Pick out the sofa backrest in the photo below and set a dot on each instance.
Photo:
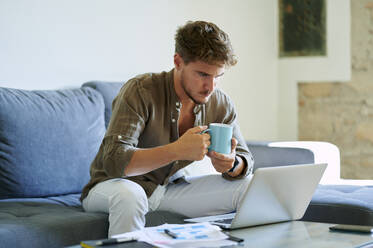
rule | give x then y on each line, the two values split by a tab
108	90
269	156
48	140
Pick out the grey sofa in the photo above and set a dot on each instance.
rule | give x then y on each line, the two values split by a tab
47	142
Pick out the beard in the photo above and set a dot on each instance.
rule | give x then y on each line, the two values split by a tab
187	92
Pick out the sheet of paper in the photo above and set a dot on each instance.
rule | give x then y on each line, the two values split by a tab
188	235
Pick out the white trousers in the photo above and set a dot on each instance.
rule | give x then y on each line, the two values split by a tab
126	202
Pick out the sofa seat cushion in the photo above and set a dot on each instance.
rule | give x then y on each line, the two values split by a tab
341	204
48	140
41	224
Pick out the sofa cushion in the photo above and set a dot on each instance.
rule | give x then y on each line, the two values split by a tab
109	91
40	224
48	140
341	204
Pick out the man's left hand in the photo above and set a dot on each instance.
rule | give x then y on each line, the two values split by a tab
224	162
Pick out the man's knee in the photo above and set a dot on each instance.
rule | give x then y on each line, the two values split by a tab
129	196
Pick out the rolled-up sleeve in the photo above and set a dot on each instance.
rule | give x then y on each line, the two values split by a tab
126	125
116	155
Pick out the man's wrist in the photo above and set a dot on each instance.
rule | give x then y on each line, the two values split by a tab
235	164
173	151
239	167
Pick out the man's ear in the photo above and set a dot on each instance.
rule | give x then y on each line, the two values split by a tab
178	61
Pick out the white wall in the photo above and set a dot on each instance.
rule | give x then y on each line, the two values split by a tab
49	44
336	66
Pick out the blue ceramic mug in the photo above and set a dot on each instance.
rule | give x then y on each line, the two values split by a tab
220	137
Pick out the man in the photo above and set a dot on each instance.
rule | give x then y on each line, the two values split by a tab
155	131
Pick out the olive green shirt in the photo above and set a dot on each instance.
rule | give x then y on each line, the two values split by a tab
145	114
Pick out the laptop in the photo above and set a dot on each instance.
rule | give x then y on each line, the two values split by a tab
275	194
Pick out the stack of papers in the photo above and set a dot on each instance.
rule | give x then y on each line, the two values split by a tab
183	236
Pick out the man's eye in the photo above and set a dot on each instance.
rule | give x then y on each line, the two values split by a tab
203	74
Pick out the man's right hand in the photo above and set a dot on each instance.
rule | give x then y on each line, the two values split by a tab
192	145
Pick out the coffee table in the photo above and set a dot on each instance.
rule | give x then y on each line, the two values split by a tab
299	234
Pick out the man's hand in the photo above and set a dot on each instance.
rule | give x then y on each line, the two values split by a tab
224	162
192	145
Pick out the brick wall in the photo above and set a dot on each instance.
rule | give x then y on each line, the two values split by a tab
342	112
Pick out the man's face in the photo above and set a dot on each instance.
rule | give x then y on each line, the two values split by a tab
198	80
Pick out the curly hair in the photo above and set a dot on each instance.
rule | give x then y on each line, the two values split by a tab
204	41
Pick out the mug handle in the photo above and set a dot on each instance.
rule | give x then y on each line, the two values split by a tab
205	131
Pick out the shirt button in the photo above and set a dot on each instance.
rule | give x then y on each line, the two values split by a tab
196	109
173	120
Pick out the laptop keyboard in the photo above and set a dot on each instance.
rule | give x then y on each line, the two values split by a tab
224	221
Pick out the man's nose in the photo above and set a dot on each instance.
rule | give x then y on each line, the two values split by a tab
210	84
